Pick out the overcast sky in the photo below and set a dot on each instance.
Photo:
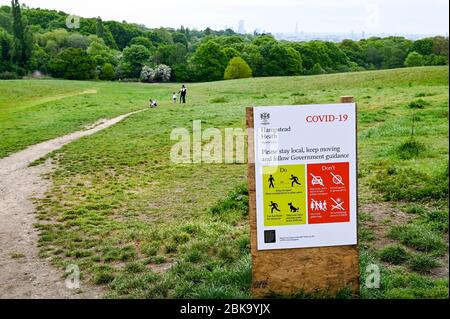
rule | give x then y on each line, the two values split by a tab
371	16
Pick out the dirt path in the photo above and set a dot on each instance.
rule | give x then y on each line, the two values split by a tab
22	273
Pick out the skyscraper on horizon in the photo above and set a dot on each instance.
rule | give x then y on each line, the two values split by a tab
241	27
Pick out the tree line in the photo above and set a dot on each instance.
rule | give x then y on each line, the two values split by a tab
39	40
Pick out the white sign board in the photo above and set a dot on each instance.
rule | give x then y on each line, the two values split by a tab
306	182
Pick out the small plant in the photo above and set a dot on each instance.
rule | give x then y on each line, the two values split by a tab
394	254
420	237
410	149
423	263
415	209
418	104
221	99
366	234
437	221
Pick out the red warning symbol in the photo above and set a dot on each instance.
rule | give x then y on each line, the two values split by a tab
328	193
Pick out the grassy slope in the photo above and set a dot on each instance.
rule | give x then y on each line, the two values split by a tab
123	211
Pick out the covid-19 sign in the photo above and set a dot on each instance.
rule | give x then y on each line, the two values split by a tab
306	176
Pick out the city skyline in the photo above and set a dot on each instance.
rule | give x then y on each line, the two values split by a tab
418	17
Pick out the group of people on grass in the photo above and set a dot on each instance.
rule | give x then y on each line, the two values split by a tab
182	93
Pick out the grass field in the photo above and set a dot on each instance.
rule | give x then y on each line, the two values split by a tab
147	228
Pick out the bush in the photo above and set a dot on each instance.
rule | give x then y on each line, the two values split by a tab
107	72
162	73
394	254
8	76
73	64
147	74
237	69
414	59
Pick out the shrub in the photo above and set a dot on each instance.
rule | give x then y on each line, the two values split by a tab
162	73
8	76
147	74
414	59
107	72
237	69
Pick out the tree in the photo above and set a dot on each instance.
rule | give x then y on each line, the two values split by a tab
208	62
39	60
100	28
76	40
414	59
5	46
231	53
107	72
237	69
102	54
423	46
147	74
134	58
280	60
179	37
22	46
171	54
141	40
317	69
440	46
162	73
73	64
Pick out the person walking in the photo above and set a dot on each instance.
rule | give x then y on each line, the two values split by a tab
183	93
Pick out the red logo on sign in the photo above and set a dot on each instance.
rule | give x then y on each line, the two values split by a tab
328	193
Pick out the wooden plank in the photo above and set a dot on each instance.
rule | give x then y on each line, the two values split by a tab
289	271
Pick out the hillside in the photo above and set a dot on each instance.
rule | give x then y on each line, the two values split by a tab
148	228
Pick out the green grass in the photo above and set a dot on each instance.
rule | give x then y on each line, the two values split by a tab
122	211
394	254
420	237
423	263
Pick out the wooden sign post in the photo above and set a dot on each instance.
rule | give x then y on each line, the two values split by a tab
323	269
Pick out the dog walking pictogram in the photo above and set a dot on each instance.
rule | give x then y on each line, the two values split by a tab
271	182
294	180
274	206
293	208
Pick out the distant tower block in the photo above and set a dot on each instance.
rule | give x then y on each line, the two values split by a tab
241	28
296	29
